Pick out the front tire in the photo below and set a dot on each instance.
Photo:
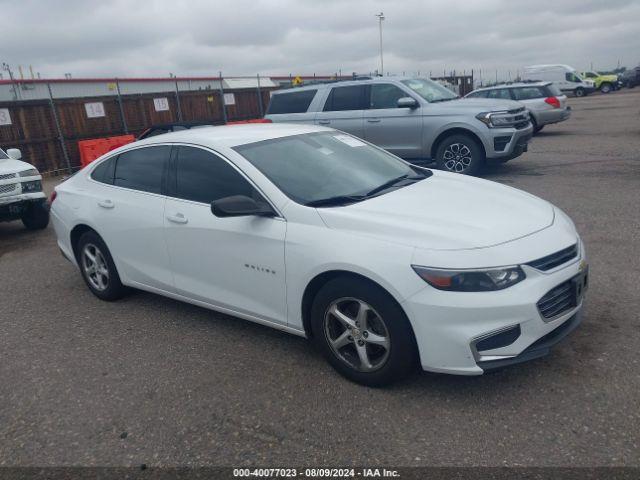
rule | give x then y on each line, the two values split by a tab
98	269
36	217
362	332
460	153
579	92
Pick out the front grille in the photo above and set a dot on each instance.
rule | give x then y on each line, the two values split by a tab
517	110
8	188
6	176
555	259
558	300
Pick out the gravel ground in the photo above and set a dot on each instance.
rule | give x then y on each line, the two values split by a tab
148	380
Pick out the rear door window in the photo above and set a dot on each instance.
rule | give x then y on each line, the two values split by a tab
291	102
501	93
142	169
528	93
103	173
386	95
353	97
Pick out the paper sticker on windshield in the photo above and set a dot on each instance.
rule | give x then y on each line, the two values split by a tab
352	142
325	151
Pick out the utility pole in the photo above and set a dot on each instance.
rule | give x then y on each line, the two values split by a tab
380	19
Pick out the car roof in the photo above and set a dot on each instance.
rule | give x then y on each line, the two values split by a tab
344	83
233	135
514	85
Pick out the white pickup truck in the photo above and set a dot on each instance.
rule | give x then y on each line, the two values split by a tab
21	195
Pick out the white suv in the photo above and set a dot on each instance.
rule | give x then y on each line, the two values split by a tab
21	195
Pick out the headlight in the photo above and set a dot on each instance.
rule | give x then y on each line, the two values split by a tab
32	172
495	119
471	280
34	186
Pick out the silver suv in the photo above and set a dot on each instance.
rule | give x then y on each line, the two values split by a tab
414	118
544	100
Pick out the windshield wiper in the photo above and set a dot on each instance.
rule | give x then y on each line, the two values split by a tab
443	99
393	182
336	201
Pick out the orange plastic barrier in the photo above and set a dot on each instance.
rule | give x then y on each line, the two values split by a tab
92	149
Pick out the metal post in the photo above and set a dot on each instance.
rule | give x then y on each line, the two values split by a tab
60	136
224	107
380	19
260	106
124	120
178	102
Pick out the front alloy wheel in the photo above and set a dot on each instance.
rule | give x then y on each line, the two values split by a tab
457	157
357	334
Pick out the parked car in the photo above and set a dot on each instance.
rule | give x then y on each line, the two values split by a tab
21	195
171	127
414	118
604	83
545	102
630	78
384	265
563	76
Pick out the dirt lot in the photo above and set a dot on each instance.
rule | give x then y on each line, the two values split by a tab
150	380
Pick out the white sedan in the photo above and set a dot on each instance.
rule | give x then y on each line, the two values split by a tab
385	266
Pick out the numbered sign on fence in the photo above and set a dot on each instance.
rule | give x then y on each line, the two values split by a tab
95	109
161	104
5	118
229	99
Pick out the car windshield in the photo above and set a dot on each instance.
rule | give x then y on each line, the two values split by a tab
429	90
329	168
3	155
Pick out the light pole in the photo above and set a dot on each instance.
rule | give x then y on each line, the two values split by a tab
380	19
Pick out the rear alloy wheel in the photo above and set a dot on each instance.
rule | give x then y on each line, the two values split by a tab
97	268
579	92
362	332
460	154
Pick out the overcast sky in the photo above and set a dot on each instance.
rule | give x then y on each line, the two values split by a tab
91	38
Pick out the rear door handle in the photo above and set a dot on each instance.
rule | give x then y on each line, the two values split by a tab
106	203
373	120
177	218
324	122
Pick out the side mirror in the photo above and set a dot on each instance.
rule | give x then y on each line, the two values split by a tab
240	206
407	102
14	153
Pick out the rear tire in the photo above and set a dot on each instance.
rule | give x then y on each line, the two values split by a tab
579	92
606	88
362	332
36	217
460	153
535	126
98	269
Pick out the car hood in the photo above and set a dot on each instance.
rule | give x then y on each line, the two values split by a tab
481	104
8	165
608	78
445	212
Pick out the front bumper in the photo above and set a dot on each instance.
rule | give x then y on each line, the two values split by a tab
15	209
507	143
448	325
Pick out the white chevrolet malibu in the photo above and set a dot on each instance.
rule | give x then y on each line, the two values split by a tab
312	231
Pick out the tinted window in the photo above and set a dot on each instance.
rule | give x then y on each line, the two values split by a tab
104	172
291	102
502	93
553	90
528	93
346	98
142	169
204	177
572	77
385	95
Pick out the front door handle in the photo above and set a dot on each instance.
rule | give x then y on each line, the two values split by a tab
324	122
373	120
177	218
106	203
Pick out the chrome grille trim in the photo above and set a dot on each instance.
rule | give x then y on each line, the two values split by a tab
555	259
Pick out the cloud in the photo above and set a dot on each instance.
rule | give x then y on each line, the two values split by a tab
201	37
